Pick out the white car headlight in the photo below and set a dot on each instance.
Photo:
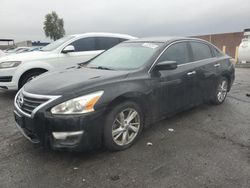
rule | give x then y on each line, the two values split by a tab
79	105
9	64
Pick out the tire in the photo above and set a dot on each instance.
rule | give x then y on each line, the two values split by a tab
129	130
28	77
221	90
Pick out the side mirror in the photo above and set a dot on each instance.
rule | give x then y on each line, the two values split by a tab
166	65
68	49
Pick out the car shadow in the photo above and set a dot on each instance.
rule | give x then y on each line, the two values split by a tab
6	94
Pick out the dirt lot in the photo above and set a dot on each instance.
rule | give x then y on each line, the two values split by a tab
209	147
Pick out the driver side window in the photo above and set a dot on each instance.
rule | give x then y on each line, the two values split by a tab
177	52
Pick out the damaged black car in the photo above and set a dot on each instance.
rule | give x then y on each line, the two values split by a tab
110	99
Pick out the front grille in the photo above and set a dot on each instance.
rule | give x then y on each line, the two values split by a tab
29	104
5	78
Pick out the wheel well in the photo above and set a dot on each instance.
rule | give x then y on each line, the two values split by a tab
229	80
29	71
137	100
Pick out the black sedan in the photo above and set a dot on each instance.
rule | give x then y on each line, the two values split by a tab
110	99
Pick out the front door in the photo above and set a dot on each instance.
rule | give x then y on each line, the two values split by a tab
176	87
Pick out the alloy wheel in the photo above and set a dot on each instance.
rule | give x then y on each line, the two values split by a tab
222	90
126	126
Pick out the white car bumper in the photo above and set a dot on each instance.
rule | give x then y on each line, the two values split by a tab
8	85
7	79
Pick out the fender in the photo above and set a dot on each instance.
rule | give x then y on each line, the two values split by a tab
30	65
142	100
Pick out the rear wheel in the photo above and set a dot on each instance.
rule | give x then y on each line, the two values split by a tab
123	126
221	91
27	77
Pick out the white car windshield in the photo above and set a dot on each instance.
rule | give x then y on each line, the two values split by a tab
56	44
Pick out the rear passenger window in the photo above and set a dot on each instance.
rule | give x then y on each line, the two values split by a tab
122	39
217	53
177	52
104	43
200	51
84	44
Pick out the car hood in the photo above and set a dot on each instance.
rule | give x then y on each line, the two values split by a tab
26	56
72	80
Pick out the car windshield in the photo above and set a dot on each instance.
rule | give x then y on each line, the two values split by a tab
56	44
125	56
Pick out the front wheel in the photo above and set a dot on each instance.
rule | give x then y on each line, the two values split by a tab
123	126
221	91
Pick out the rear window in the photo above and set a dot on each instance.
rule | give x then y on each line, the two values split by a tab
84	44
200	51
104	43
217	53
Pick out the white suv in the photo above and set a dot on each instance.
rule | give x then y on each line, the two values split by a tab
18	69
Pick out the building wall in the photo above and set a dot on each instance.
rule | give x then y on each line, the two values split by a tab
230	40
26	43
4	47
6	44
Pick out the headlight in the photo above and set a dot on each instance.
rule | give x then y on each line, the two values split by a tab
9	64
79	105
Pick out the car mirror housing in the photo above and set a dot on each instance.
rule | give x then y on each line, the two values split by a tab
68	49
166	65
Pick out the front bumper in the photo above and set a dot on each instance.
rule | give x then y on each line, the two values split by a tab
10	84
71	132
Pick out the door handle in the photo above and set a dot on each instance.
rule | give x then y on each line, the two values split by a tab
217	65
191	73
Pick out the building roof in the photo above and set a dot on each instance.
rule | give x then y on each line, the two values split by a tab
6	40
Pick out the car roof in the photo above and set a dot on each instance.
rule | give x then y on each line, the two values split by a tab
105	34
164	39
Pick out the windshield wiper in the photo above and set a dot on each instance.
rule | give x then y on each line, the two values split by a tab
101	67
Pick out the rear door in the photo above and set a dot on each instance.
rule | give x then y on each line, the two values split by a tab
176	87
206	68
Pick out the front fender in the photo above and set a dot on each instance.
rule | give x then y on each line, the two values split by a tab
26	66
136	90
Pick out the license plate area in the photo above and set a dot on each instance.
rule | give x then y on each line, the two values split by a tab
19	119
20	124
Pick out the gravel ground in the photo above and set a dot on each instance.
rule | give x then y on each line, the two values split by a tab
209	147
